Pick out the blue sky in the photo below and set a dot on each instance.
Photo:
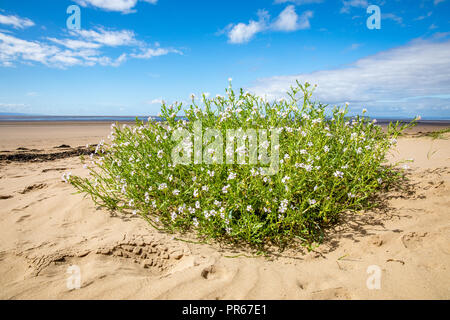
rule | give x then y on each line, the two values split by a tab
130	54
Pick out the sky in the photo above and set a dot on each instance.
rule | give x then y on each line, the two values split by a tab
128	55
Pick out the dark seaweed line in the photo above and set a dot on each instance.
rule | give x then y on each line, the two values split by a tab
40	157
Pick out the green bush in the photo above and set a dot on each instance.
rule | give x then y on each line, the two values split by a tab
327	165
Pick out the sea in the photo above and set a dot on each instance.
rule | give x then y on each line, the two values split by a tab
127	119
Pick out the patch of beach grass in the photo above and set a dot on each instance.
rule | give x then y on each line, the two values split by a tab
439	134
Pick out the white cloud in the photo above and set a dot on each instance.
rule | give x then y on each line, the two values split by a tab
288	20
353	3
75	44
83	50
242	33
154	101
424	17
12	105
124	6
299	2
12	48
108	38
410	78
16	22
355	46
147	53
391	16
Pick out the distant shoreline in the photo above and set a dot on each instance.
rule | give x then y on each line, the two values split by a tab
131	119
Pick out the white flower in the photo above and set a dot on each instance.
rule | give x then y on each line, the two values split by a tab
231	176
312	202
66	177
162	186
160	154
195	193
195	222
225	189
134	212
181	208
230	79
285	179
351	195
176	192
338	174
205	188
380	181
283	206
249	208
326	149
197	204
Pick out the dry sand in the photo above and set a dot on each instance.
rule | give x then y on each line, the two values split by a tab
44	229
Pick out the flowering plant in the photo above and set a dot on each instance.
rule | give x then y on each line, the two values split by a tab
323	167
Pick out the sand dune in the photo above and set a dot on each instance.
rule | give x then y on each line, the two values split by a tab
45	228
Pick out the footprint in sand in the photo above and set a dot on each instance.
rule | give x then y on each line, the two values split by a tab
33	187
376	241
413	240
150	254
214	272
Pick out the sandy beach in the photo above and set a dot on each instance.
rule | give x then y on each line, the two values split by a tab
45	228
